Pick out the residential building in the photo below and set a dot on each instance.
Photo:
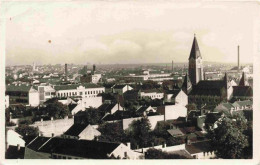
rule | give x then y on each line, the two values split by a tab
171	112
63	148
120	89
151	93
177	96
78	90
82	131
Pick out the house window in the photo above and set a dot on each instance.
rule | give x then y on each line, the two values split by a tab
125	153
80	93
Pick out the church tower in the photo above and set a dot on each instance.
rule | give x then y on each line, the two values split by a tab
195	63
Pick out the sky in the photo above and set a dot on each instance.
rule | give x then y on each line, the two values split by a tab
126	32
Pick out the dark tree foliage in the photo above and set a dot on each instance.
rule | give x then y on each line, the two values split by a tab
139	132
150	85
26	130
191	107
159	154
112	132
93	116
57	110
228	139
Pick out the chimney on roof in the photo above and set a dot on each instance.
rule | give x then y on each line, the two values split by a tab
128	145
238	58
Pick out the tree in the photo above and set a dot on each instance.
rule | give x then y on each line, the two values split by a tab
191	107
57	110
159	154
139	132
26	130
228	139
93	116
112	132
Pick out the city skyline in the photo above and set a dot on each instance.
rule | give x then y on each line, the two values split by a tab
144	32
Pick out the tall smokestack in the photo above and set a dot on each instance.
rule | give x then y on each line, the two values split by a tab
66	72
94	68
238	58
172	66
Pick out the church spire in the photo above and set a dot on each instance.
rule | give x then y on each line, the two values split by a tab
186	85
195	51
243	80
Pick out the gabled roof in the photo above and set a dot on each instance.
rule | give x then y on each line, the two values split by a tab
86	148
74	147
208	87
118	115
195	51
18	88
175	132
119	86
244	103
186	86
246	91
75	129
106	108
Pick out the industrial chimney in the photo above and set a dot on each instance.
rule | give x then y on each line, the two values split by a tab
172	66
66	72
94	68
238	58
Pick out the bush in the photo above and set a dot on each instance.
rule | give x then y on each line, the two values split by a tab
10	124
26	130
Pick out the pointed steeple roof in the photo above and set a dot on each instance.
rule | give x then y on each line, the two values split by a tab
186	86
195	51
243	80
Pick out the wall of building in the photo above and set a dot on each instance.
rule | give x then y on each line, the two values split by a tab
34	99
58	127
181	98
123	150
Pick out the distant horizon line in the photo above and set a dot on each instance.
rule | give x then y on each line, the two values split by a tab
232	63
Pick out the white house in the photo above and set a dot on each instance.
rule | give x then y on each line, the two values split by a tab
177	97
45	93
121	88
144	110
14	139
151	93
87	102
34	97
171	112
6	101
76	90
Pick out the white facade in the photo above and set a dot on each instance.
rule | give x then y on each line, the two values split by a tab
151	95
181	98
122	90
87	102
95	78
172	111
34	97
89	133
124	152
7	101
80	91
14	139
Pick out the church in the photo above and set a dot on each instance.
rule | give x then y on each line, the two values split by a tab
202	92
